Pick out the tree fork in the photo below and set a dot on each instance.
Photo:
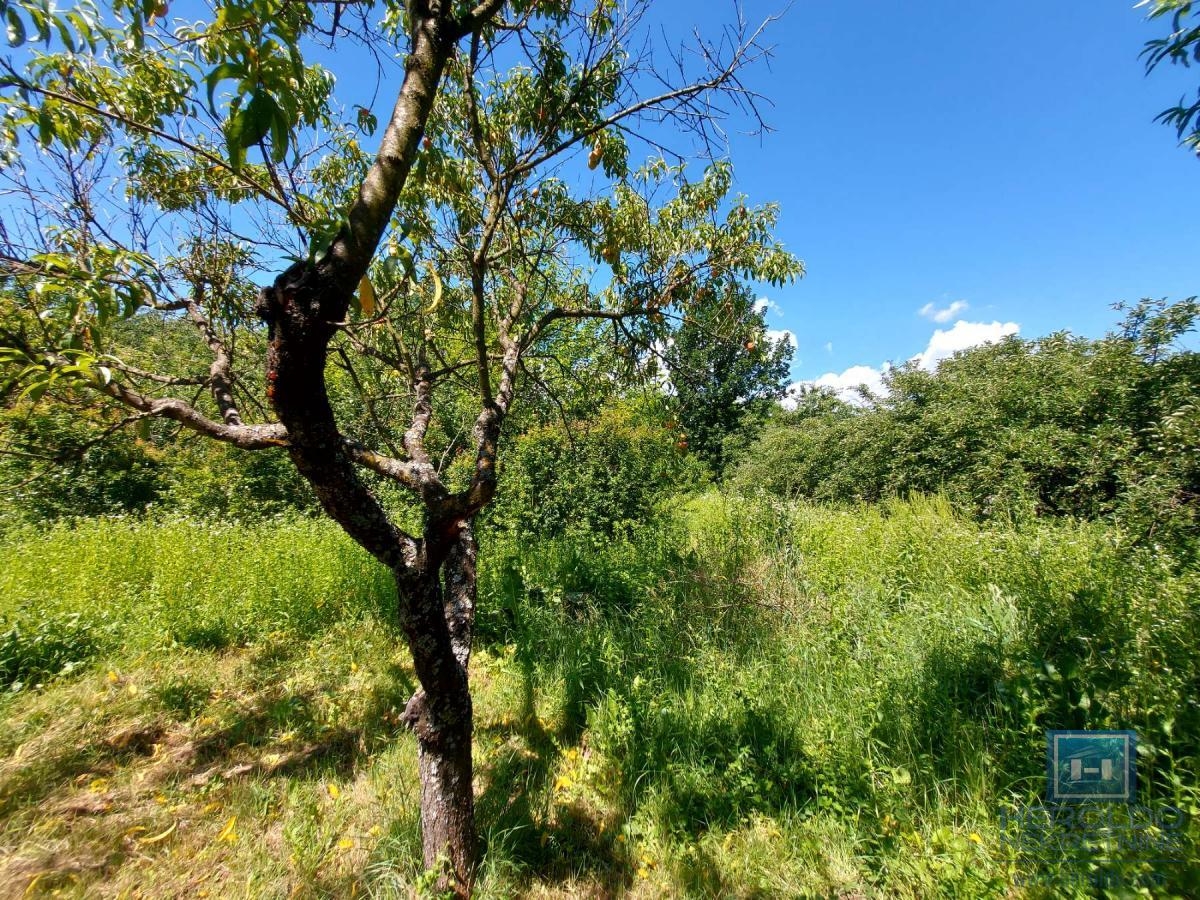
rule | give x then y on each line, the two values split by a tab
302	310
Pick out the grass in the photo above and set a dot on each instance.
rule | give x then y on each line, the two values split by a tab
759	700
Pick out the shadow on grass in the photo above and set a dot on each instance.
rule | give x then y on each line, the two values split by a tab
169	752
701	766
544	846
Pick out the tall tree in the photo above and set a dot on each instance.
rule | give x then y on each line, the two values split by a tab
450	262
726	371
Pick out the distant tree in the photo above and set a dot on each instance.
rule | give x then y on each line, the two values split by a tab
726	373
168	166
1180	47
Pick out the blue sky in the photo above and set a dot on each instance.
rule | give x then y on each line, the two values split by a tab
998	155
995	164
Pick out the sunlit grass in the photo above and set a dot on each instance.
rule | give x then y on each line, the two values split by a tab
758	701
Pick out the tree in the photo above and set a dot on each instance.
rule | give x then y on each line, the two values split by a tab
433	280
726	373
1180	47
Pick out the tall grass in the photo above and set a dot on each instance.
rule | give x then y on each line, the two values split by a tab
74	590
805	699
757	699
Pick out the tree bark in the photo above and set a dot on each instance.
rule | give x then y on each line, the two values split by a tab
438	616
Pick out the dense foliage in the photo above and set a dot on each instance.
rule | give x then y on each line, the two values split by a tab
603	477
1058	426
725	373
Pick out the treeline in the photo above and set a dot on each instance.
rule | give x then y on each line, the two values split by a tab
1054	426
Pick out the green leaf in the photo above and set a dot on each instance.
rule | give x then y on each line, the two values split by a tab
45	127
249	126
16	29
219	74
64	33
279	136
233	143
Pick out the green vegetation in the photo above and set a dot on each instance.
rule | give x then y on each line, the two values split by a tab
1057	426
719	649
1179	47
745	699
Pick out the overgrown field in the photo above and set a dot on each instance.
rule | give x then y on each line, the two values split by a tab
749	701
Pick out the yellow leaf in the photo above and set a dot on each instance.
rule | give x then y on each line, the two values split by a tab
157	838
228	833
437	287
366	297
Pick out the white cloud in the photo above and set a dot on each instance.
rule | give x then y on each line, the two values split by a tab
762	304
941	316
962	336
942	345
845	384
783	335
829	346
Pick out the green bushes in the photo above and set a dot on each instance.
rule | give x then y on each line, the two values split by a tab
41	648
1059	426
604	477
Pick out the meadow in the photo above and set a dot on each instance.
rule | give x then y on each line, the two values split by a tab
743	698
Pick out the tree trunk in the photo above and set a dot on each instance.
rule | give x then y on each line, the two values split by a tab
438	615
448	806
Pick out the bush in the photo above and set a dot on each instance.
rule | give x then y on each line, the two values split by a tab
1059	426
605	477
35	649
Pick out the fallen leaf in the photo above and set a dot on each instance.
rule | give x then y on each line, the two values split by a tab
161	836
228	833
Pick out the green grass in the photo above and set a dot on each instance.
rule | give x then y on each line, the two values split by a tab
756	701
